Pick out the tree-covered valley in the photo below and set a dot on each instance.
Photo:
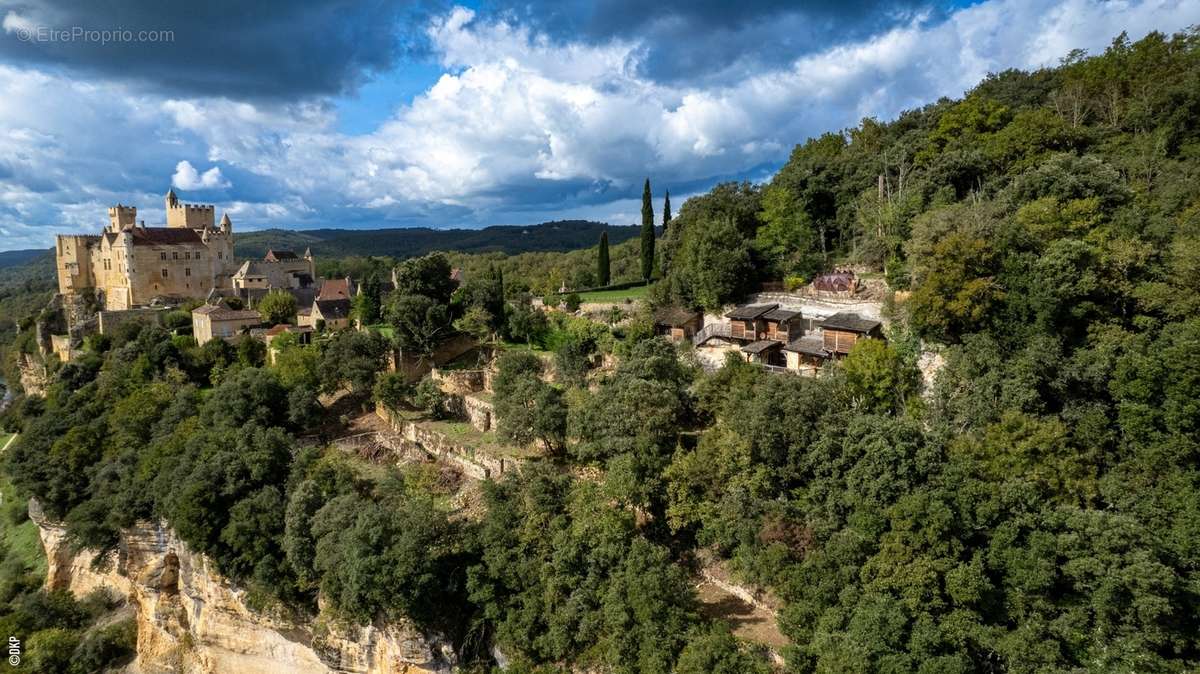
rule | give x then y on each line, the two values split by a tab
1033	505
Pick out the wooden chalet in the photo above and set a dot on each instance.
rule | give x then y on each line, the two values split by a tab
806	354
765	351
746	323
783	325
677	324
842	330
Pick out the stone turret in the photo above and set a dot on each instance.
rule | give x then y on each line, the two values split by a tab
226	225
191	216
121	217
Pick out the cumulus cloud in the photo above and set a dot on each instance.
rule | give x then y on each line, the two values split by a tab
522	125
188	178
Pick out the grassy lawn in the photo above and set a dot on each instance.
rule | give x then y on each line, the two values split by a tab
21	539
633	294
465	434
383	329
522	346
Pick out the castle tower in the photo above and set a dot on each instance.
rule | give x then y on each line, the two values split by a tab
191	216
121	217
226	225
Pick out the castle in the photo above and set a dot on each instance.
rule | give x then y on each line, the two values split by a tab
130	265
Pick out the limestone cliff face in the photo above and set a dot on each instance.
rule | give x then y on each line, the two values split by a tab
190	620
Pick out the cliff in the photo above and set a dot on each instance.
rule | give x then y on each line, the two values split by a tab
190	620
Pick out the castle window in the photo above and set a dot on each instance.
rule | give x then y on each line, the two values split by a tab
187	271
220	255
162	256
197	255
175	255
164	272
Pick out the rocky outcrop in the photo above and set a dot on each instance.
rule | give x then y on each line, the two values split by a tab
34	377
191	620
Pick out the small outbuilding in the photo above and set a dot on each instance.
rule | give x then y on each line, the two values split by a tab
214	321
747	323
842	330
677	324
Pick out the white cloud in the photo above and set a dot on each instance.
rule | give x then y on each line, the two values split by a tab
188	178
518	128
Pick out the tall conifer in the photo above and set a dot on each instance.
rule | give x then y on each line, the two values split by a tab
647	233
602	266
666	212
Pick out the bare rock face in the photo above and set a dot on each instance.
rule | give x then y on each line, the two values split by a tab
191	620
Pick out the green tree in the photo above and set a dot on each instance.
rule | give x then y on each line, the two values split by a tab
716	651
526	323
428	276
878	375
429	396
393	390
603	271
647	233
420	322
278	306
477	322
352	360
50	651
712	265
527	408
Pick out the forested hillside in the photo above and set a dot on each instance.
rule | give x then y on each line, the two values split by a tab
416	241
1035	506
1039	508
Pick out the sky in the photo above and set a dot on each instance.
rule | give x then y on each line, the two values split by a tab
371	113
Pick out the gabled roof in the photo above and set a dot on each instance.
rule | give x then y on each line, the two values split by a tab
335	288
750	312
286	327
170	236
217	312
849	322
812	346
762	345
333	309
781	315
279	255
675	316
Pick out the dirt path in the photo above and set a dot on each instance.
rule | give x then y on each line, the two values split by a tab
754	624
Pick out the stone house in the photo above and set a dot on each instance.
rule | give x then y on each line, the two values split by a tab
213	321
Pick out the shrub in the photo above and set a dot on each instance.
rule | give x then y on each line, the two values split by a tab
430	397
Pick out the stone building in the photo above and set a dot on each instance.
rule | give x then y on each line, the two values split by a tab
214	321
278	270
129	265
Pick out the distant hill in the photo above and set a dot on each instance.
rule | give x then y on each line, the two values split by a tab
13	258
561	235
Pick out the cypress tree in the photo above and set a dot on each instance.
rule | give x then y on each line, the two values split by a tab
647	233
666	212
602	267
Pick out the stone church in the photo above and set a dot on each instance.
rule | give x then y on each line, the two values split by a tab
130	265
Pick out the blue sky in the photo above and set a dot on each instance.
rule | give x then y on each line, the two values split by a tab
340	113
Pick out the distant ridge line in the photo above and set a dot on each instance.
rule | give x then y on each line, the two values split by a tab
556	236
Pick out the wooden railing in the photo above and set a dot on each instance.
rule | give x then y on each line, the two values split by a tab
711	330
